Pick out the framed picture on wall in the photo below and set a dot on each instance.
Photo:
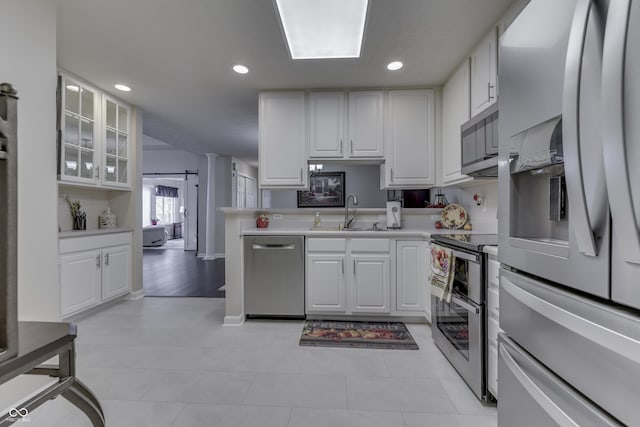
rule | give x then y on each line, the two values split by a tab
326	190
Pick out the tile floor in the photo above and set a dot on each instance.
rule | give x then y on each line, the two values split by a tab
170	362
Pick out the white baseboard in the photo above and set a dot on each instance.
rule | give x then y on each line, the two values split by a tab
200	255
211	258
219	255
135	295
233	320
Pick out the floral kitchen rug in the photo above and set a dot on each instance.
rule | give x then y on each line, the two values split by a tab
330	333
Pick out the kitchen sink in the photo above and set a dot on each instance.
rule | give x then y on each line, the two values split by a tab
346	229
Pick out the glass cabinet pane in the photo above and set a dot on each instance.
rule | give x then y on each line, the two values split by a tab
123	122
122	145
111	143
111	114
122	171
71	129
86	164
110	172
72	97
87	103
70	165
86	134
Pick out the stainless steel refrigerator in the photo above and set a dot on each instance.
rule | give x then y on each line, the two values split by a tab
569	216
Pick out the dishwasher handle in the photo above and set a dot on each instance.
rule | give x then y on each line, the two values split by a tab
270	246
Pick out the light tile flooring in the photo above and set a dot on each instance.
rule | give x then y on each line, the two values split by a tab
170	362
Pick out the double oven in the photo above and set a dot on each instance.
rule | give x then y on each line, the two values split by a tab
459	326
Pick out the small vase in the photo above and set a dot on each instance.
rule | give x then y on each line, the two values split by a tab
80	221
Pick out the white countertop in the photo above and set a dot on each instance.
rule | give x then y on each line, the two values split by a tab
92	232
403	232
491	250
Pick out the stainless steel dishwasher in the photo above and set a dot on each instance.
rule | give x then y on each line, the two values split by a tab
274	276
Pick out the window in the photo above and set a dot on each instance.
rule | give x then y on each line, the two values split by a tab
165	209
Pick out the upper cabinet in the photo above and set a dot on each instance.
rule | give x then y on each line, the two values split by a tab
335	135
410	139
116	148
455	111
366	116
283	140
326	124
93	136
484	71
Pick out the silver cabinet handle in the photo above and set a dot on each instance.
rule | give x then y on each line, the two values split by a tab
391	174
272	246
616	165
341	148
489	87
351	152
97	169
465	305
301	174
581	222
342	262
534	391
354	267
98	261
106	259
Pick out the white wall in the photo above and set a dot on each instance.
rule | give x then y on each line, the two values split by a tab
169	161
362	180
29	51
203	175
223	198
486	213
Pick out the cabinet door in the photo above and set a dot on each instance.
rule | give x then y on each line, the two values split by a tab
116	273
326	124
366	117
283	140
79	281
484	66
370	284
325	282
78	142
115	149
455	111
410	136
411	275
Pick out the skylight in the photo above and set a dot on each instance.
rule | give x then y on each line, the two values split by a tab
317	29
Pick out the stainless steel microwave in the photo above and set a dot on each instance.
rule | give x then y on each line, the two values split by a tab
479	138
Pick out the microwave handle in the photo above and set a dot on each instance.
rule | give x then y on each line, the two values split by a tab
616	165
581	223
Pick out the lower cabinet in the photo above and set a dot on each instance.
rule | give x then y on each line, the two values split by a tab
412	276
370	284
326	288
93	269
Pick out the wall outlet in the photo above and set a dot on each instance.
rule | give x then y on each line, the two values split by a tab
277	217
382	218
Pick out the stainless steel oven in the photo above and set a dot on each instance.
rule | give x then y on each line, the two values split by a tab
458	327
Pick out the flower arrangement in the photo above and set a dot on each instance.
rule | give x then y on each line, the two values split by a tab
78	216
154	221
74	206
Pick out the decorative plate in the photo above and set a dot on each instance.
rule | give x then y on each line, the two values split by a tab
454	216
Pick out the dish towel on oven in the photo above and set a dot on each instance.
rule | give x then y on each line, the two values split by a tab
442	262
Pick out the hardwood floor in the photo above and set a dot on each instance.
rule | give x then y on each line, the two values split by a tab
178	273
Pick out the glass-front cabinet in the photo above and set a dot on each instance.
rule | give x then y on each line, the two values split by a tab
94	140
78	132
116	143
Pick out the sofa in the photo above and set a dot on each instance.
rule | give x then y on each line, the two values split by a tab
154	235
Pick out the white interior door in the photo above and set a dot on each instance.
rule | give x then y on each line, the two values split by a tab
189	233
251	193
240	191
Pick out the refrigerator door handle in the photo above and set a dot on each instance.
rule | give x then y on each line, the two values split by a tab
581	223
534	391
615	162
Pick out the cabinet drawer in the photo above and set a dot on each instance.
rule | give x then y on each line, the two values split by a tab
493	268
326	245
493	303
85	243
369	245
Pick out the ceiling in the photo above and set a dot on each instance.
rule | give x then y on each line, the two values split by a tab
177	57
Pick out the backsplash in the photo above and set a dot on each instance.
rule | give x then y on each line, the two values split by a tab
487	212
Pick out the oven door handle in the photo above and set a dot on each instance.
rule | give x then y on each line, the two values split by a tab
470	308
465	256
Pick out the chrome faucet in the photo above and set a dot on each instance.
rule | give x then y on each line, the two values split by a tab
347	220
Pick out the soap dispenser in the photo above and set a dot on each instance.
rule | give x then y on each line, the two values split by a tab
317	220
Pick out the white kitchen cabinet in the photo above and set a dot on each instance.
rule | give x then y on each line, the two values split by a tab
345	276
412	276
410	139
94	137
366	125
80	277
493	328
326	124
93	269
326	283
484	72
370	284
115	172
116	274
455	111
283	140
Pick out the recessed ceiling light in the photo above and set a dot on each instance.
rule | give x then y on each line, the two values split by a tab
395	65
73	88
122	87
240	69
317	29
